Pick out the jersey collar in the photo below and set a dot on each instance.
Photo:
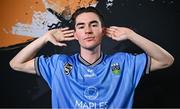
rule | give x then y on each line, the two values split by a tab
89	64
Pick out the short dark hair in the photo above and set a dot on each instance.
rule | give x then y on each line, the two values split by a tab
86	10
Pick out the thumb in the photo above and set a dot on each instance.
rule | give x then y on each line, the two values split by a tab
61	44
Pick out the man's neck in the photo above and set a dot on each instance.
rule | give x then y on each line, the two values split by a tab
91	56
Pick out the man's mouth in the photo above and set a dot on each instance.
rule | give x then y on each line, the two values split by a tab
89	38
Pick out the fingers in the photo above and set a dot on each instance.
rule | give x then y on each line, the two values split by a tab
61	44
118	33
114	27
110	32
69	35
69	39
68	31
63	34
63	29
115	33
58	36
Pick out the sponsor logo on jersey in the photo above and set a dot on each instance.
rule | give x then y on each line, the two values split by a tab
116	68
91	93
67	68
91	105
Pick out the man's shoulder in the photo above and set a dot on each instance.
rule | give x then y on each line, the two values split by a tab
64	56
118	54
56	57
125	54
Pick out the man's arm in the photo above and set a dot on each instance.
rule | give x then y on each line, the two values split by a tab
24	60
160	58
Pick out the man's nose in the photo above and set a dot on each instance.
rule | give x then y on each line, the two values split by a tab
88	30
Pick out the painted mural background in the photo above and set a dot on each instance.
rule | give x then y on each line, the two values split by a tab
22	21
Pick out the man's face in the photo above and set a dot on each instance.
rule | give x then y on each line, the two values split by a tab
88	30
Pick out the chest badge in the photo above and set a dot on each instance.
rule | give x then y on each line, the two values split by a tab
115	68
67	68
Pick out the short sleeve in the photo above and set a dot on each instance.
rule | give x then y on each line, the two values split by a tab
46	66
141	66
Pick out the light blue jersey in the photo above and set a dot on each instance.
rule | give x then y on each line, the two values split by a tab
110	82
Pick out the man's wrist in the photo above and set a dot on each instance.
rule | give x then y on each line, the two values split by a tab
131	34
43	39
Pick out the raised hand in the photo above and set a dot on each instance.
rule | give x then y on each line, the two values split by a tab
118	33
57	36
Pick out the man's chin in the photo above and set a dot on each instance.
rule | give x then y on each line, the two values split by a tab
91	47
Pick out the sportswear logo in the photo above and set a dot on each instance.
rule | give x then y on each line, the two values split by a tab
67	68
90	73
116	68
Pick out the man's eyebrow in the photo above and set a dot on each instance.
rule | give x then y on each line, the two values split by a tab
94	21
80	24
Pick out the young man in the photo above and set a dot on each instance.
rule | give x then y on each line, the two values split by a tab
91	79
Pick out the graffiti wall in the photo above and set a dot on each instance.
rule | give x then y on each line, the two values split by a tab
22	20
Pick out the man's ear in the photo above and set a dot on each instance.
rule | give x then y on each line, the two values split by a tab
103	31
75	35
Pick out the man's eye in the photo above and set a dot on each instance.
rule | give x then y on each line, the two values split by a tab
94	25
81	27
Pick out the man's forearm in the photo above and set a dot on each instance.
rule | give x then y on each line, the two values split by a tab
153	50
24	60
27	53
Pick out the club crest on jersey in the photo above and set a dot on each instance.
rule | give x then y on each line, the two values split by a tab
91	93
115	68
67	68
